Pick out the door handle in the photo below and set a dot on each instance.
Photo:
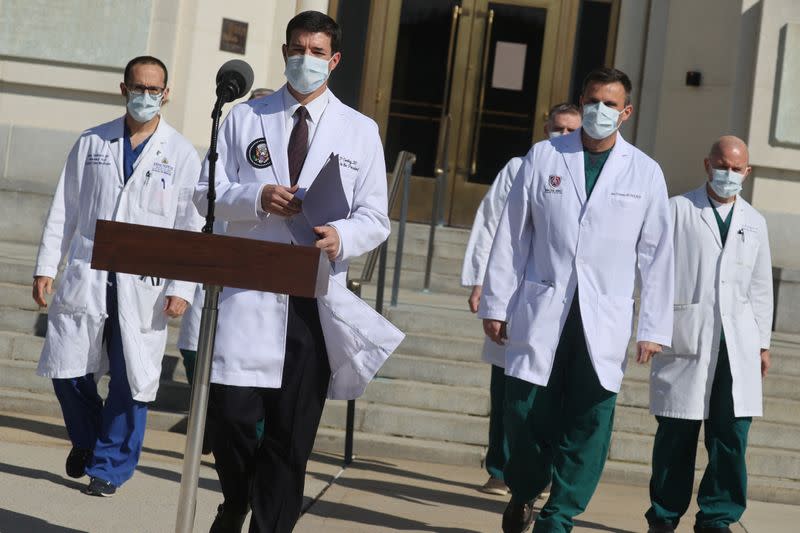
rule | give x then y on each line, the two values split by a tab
444	119
481	93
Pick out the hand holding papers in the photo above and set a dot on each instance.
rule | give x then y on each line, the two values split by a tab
323	202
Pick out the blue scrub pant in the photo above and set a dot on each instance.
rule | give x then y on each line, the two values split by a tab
114	429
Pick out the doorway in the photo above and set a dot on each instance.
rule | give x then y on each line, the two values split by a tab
466	84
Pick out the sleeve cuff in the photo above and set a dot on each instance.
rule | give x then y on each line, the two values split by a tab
663	340
50	272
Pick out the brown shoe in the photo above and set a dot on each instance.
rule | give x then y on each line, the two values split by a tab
495	486
518	516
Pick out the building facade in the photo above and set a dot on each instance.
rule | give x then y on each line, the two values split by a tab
464	84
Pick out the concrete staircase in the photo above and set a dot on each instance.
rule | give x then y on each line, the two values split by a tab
430	401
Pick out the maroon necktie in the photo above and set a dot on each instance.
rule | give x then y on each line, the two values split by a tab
298	145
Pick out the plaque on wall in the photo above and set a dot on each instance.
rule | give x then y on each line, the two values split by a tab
234	36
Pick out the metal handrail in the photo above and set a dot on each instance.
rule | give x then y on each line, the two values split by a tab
394	190
401	175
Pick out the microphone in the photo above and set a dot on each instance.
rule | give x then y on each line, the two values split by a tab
234	80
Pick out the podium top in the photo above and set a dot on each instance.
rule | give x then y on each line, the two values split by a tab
210	259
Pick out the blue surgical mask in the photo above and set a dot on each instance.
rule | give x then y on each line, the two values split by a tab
143	107
599	120
306	73
726	182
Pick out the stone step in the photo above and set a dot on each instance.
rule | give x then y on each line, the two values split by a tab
45	404
24	214
766	489
763	433
437	371
436	321
442	347
331	440
775	385
776	410
766	462
428	396
16	262
444	234
381	419
411	263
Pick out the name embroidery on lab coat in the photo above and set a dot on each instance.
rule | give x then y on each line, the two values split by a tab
258	153
98	159
163	167
348	163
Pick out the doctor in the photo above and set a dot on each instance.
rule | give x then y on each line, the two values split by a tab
587	213
276	357
133	169
562	119
720	352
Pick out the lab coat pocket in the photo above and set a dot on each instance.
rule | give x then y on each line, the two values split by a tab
149	300
73	290
535	304
687	324
157	196
614	324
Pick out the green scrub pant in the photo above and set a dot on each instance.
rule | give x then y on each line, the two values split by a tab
722	495
560	433
497	454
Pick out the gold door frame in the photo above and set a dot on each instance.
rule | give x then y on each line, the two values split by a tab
554	83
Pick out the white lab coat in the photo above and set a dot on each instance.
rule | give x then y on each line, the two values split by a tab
715	287
480	244
159	193
189	334
550	241
251	333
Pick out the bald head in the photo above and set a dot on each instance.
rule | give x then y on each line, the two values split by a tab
727	153
729	146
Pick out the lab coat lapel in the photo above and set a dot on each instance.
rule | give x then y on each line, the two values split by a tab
116	146
331	122
618	159
707	213
145	161
273	126
573	158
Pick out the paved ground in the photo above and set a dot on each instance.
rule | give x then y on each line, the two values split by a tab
373	495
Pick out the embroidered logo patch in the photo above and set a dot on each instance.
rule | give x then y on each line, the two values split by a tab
555	181
258	153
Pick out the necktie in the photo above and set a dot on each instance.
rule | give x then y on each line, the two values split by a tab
298	144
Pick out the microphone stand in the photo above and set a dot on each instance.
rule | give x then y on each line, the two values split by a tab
187	499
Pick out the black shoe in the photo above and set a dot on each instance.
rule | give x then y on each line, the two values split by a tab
660	528
77	460
227	522
518	516
701	529
100	487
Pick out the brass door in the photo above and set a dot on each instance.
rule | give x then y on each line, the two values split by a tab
465	85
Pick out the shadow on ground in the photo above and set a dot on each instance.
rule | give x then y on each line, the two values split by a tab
32	473
11	522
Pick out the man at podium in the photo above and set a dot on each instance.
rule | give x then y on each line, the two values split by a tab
133	169
277	357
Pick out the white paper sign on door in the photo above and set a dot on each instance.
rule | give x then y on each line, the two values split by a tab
509	65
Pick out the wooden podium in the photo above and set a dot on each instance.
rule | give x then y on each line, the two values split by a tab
215	261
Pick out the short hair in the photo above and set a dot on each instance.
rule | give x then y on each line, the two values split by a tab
316	22
144	60
261	91
562	108
606	75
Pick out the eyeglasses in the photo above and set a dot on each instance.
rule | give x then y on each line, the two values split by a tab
141	89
